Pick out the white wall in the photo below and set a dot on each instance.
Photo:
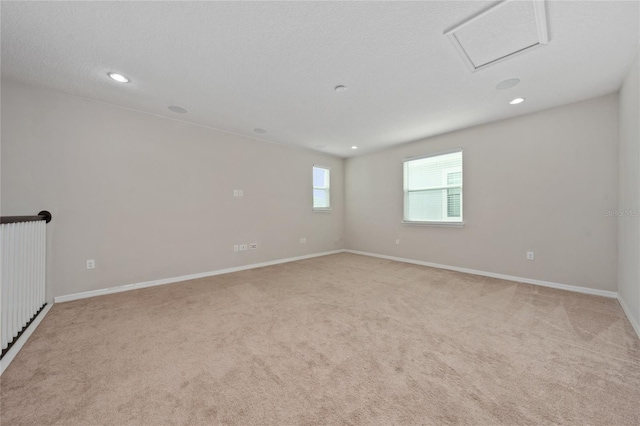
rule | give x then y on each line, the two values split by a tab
629	196
541	182
149	197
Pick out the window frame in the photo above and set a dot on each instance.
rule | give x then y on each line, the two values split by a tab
327	188
444	223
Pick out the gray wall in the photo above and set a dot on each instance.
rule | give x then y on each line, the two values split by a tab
151	198
629	194
541	182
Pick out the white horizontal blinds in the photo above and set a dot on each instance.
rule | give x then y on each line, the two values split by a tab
454	195
321	187
433	188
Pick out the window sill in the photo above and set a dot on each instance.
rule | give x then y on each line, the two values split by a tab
321	210
439	224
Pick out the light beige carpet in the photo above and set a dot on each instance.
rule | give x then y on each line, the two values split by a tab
341	339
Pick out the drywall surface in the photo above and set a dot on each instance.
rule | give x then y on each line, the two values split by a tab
542	182
151	198
629	194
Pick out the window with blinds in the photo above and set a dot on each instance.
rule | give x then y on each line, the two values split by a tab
433	188
321	188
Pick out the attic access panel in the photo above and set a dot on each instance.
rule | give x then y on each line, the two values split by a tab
504	30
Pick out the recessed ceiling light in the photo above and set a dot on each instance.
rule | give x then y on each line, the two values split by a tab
118	77
177	109
507	84
354	147
516	101
340	88
258	130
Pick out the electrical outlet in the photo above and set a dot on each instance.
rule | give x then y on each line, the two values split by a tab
240	193
243	247
91	264
530	255
397	241
235	248
253	246
235	192
303	240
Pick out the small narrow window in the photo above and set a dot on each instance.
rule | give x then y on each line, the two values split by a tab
433	189
321	188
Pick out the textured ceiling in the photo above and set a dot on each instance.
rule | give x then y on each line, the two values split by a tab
238	66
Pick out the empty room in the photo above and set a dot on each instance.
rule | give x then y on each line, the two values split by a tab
320	213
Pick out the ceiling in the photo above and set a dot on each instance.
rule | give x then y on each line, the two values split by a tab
238	66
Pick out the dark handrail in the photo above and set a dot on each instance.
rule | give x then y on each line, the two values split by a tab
43	215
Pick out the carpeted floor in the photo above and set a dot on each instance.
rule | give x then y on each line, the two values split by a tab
341	339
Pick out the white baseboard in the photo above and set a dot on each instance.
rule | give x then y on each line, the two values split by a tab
6	360
128	287
567	287
11	353
632	320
